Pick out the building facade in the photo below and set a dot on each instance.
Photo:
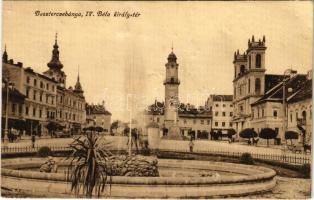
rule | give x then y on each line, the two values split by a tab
221	107
46	97
299	111
97	115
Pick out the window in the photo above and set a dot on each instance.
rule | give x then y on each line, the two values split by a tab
40	113
216	124
184	121
277	130
20	109
60	114
258	61
41	84
41	97
48	114
53	88
47	86
26	110
249	61
27	92
194	121
34	112
217	105
216	113
249	85
290	117
223	124
208	122
34	95
47	98
230	124
27	79
157	119
231	114
223	114
13	107
257	85
35	82
257	112
231	105
262	112
242	69
241	108
202	121
223	105
296	116
52	100
275	113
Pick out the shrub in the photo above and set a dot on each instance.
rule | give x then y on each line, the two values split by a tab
44	152
305	170
231	132
247	159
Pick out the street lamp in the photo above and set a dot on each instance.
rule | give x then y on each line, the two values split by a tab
284	81
8	85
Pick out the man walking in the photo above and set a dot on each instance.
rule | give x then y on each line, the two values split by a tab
33	141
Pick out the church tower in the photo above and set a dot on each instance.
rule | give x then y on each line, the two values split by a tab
55	66
249	81
78	87
171	91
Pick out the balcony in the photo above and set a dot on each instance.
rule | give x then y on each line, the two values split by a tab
172	81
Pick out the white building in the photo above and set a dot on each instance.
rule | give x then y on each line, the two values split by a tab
221	107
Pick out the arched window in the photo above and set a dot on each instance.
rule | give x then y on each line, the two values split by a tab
249	61
258	61
242	69
257	86
304	115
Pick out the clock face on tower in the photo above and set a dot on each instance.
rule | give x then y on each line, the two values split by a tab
174	101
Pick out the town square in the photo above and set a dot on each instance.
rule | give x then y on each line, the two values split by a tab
183	100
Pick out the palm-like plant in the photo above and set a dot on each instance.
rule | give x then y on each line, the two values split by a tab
88	170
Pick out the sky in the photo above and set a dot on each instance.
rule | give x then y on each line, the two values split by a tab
123	60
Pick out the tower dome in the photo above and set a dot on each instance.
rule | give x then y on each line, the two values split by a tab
172	57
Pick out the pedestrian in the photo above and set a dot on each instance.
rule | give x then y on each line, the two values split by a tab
33	141
191	145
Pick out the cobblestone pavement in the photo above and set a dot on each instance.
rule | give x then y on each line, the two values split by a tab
287	188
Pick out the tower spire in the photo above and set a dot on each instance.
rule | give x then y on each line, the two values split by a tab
78	86
172	47
55	62
5	55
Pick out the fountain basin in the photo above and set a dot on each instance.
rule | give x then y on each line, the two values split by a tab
233	180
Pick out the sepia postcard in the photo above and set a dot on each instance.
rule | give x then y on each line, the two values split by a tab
156	99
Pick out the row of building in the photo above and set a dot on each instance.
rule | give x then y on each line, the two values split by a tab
38	99
280	102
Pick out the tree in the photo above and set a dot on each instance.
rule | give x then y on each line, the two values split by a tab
114	125
248	133
88	168
291	135
268	133
231	132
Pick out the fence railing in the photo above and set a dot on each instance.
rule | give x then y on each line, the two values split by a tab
284	157
298	159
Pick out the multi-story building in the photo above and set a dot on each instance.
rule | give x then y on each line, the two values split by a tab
70	107
221	107
46	97
299	111
97	115
172	112
250	81
268	111
39	91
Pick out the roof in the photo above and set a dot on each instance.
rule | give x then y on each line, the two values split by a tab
303	93
96	109
186	110
216	97
271	80
30	70
275	94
